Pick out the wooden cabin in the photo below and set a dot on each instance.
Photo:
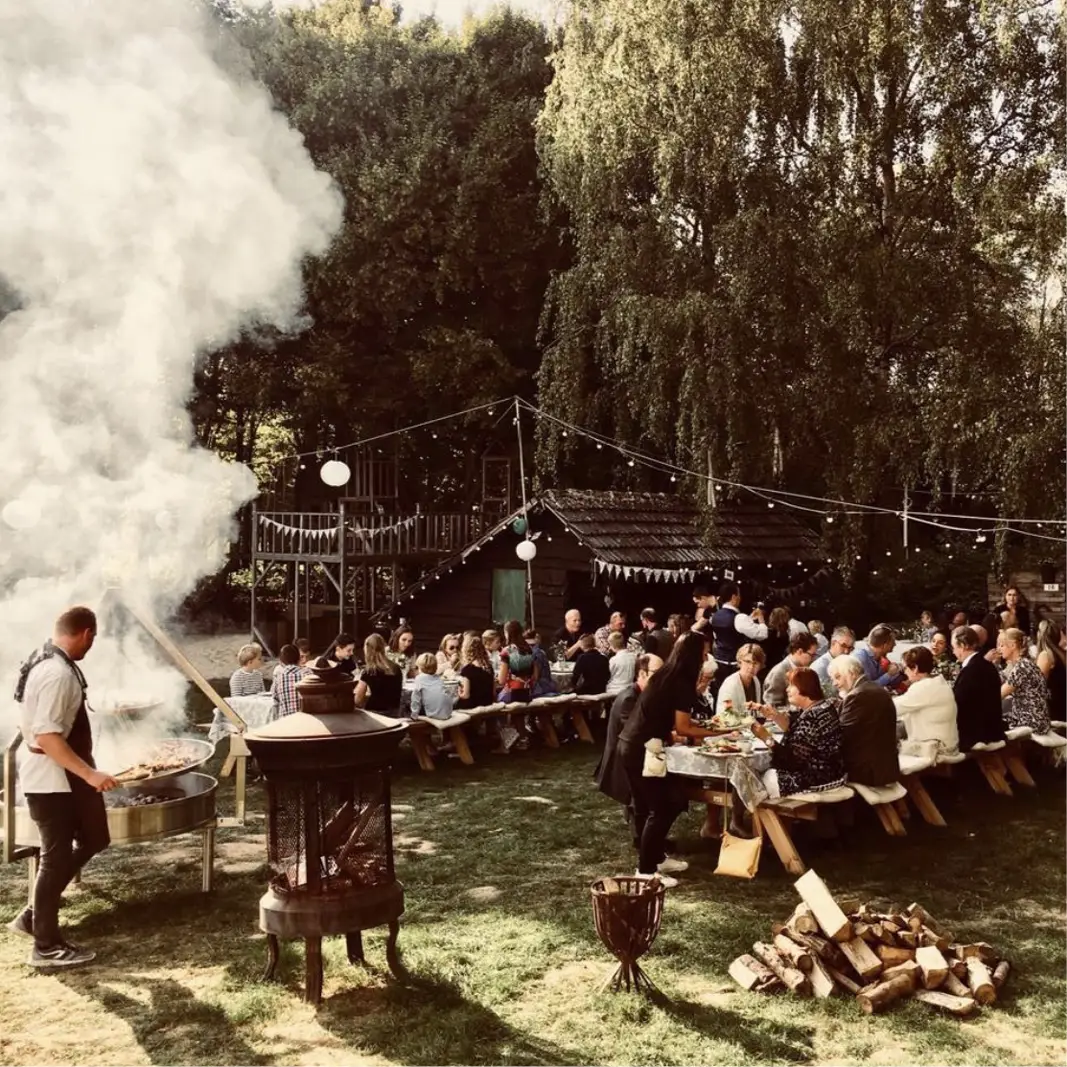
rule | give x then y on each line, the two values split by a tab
606	551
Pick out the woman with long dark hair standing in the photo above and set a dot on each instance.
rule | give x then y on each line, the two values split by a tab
668	695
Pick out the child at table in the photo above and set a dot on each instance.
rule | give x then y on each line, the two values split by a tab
247	680
430	698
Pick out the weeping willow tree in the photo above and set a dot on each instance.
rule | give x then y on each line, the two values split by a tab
819	240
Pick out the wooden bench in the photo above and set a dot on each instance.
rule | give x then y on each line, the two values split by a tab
772	816
987	757
419	731
1013	756
911	770
884	799
1052	745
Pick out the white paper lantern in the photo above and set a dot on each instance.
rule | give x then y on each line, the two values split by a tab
21	514
526	550
334	472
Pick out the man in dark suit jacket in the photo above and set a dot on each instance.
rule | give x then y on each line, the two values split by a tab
868	725
977	691
610	774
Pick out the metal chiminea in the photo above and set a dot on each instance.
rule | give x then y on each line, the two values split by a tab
329	824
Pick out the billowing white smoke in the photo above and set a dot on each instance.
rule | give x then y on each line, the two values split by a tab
151	204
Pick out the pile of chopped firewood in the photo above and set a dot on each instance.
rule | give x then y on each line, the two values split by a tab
878	956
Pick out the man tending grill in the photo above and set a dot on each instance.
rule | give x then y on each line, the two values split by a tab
61	785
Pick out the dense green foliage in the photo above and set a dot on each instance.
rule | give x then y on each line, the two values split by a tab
816	238
816	244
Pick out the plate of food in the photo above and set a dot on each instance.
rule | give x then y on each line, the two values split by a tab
729	720
725	746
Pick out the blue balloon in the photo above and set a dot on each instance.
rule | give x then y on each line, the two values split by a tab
519	526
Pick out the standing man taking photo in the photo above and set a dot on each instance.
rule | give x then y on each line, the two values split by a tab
60	782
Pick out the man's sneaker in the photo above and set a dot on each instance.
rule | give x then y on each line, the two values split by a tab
666	879
60	956
672	866
22	923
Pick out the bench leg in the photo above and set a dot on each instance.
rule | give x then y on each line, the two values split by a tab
581	727
227	766
710	829
993	770
420	743
547	728
459	739
902	808
1016	766
923	802
766	820
890	820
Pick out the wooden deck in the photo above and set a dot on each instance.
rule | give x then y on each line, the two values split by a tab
362	538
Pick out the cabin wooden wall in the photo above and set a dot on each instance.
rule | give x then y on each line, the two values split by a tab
462	599
1051	605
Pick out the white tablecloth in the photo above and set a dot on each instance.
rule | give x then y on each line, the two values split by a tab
254	710
742	772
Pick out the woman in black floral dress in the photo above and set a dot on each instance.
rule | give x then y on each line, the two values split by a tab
1024	691
808	759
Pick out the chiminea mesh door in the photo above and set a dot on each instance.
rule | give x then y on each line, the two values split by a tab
329	835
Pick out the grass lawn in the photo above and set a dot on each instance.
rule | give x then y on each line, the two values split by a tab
496	860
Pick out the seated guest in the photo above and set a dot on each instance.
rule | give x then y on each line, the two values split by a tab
402	650
591	670
545	686
610	775
492	641
927	629
570	635
303	646
448	654
880	642
247	680
1013	612
927	708
616	625
656	799
1052	662
654	639
809	758
622	667
977	692
284	700
1024	692
842	642
519	670
476	688
776	643
868	725
342	653
801	653
677	626
816	628
938	645
742	687
430	698
381	681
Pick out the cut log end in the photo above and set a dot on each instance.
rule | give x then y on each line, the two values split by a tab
884	994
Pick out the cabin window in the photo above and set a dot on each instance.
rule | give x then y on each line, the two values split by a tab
509	595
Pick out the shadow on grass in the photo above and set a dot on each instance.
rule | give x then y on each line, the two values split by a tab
427	1021
173	1026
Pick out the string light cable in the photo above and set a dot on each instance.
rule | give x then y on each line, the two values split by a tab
781	496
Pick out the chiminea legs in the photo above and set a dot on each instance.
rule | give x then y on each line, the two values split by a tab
354	941
313	980
390	950
272	957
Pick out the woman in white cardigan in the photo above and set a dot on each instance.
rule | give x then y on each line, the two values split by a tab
927	708
743	685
